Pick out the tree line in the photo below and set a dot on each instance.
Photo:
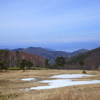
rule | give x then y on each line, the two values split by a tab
15	58
24	60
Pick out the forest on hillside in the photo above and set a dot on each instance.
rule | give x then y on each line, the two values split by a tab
22	59
14	58
91	60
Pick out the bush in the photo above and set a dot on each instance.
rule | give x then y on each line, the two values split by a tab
32	68
36	68
84	72
14	68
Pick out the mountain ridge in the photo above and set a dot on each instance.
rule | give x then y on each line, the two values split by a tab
91	60
49	53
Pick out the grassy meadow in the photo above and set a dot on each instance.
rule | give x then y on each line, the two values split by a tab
10	85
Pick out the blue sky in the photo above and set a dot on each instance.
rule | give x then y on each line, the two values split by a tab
66	25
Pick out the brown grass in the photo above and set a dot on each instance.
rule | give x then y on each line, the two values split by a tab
10	84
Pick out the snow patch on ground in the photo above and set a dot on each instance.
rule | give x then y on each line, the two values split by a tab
61	82
28	79
70	76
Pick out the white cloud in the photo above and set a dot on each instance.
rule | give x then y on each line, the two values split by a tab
67	40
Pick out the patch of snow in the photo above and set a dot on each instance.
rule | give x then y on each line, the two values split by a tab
60	83
70	76
28	79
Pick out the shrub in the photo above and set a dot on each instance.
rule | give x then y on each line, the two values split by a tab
36	68
84	72
14	68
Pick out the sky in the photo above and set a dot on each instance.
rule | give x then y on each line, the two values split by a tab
65	25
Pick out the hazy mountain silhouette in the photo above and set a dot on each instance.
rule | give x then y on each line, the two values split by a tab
49	53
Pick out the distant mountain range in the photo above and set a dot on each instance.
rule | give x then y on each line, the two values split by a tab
49	53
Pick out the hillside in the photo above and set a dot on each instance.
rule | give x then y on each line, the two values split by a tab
49	53
91	59
78	52
37	55
13	59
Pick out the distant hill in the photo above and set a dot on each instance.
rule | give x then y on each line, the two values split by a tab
49	49
91	59
78	52
49	53
18	49
14	59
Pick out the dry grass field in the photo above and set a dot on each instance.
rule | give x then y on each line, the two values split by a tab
10	85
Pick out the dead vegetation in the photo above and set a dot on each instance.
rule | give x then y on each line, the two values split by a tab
10	84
